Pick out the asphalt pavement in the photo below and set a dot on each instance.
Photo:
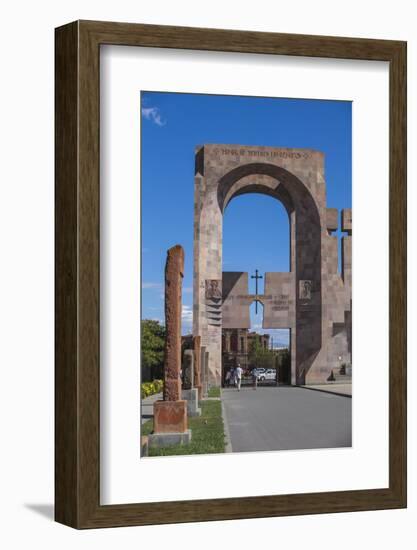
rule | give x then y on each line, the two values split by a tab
147	406
286	417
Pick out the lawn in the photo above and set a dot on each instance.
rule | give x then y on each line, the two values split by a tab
214	392
207	433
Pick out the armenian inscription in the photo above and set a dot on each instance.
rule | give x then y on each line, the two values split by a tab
253	153
281	302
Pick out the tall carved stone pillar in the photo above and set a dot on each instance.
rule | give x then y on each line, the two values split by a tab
170	415
174	270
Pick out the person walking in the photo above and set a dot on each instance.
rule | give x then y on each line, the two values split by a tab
254	379
228	375
238	375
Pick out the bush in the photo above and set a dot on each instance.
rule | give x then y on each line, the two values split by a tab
150	388
152	349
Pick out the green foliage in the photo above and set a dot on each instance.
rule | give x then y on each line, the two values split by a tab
153	342
150	388
214	392
284	358
261	357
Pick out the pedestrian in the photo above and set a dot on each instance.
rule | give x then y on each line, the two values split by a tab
228	374
238	375
254	379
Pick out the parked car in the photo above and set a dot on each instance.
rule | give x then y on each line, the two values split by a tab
268	374
258	372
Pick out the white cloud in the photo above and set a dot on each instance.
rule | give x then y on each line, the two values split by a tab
154	115
187	315
151	285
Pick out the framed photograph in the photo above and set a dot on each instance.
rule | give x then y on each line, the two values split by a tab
227	346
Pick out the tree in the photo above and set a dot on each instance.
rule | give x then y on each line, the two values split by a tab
153	343
284	358
259	356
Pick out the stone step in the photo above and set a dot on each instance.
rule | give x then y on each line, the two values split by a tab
338	378
340	375
342	378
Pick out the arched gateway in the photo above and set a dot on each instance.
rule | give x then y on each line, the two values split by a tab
313	300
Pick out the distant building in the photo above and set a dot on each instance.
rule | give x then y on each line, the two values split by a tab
237	343
236	348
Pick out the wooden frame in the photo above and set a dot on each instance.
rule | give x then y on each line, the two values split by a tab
77	373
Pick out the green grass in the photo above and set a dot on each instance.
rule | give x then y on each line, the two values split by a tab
214	392
207	433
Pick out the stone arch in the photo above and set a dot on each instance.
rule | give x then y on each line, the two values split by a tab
318	297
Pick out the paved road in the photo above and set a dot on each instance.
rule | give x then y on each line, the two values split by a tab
280	418
147	406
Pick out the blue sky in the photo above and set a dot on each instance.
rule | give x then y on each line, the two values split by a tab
255	230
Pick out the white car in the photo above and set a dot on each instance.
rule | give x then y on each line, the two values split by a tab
267	374
258	372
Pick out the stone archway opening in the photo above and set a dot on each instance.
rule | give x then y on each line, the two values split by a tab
282	291
256	235
256	240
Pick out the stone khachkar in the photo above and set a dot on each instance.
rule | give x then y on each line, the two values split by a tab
204	372
188	370
189	392
170	414
197	366
313	299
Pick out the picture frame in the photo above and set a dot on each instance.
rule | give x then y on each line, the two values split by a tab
77	332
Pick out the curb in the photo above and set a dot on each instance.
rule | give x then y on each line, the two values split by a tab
228	446
340	394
